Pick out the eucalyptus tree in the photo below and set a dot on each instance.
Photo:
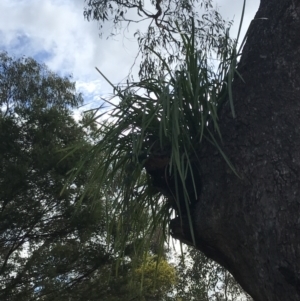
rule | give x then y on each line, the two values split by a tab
153	25
247	217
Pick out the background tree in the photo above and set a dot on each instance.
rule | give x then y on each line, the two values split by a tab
250	223
158	277
35	124
200	278
53	241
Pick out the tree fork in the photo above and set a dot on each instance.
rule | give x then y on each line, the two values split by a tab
251	224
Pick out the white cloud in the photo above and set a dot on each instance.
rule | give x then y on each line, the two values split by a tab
55	32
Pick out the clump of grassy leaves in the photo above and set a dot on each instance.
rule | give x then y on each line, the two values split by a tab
168	116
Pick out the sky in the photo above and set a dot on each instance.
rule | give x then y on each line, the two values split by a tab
55	32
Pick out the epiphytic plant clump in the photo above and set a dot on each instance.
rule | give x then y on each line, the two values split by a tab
151	139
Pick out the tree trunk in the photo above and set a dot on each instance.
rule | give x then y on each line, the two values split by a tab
251	224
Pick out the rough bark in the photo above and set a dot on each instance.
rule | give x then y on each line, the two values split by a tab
251	224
